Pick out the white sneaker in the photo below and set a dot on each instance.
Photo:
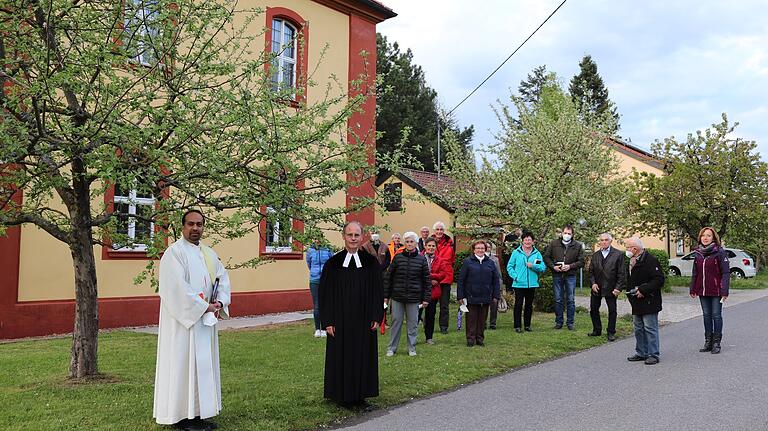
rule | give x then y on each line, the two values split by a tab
412	353
323	334
390	353
318	333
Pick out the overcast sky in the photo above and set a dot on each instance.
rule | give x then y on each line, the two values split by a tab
671	67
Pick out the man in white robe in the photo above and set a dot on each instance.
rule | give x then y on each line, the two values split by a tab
187	377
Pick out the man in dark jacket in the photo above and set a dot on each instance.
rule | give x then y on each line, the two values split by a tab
406	286
564	256
644	292
608	276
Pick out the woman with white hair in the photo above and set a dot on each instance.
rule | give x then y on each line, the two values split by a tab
406	286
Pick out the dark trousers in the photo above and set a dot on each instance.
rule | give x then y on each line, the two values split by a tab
445	298
524	296
594	313
476	323
429	319
493	312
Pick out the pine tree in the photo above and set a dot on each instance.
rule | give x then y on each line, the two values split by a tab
404	100
589	93
530	88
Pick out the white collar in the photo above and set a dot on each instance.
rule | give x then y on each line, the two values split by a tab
349	257
480	258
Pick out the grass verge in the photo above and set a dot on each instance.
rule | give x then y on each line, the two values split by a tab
272	378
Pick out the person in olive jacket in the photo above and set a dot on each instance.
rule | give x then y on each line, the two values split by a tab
477	288
608	276
644	292
710	281
564	256
406	286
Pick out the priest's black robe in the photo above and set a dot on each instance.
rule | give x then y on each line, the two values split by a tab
350	299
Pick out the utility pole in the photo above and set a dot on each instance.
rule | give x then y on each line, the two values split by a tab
438	144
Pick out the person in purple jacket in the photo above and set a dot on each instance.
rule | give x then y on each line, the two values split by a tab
710	281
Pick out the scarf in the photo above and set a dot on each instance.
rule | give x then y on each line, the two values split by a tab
708	250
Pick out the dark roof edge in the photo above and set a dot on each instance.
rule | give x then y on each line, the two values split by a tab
416	186
378	7
636	153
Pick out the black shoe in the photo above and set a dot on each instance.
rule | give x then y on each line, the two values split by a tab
182	424
202	424
528	329
481	343
594	334
636	358
470	344
443	330
651	360
492	327
571	328
519	330
707	343
559	326
716	338
611	337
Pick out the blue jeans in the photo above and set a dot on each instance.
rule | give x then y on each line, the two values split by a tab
712	309
560	283
314	286
647	334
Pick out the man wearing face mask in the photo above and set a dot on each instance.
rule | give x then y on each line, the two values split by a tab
644	292
376	248
564	256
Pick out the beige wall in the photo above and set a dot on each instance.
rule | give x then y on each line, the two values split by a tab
627	165
46	272
416	215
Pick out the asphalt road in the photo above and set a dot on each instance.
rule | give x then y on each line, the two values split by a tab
600	390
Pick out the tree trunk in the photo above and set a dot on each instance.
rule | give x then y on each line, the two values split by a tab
84	360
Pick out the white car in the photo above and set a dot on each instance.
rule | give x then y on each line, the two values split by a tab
742	264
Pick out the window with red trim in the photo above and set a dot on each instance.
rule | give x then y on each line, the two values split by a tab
287	43
142	30
276	239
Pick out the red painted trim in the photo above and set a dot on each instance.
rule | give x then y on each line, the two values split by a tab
302	48
362	37
347	7
10	248
38	318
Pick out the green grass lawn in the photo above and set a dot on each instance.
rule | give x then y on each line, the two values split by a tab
760	281
272	377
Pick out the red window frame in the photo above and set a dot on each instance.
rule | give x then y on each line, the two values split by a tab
302	55
107	252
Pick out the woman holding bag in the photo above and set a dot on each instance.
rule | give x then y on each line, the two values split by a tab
439	274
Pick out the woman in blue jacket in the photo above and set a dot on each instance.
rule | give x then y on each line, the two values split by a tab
316	257
478	288
524	266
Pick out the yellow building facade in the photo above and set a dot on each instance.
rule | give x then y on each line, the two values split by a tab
40	283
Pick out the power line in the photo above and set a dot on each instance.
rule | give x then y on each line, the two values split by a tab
507	59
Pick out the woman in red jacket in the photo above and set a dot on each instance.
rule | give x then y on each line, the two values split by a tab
438	274
710	280
446	252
